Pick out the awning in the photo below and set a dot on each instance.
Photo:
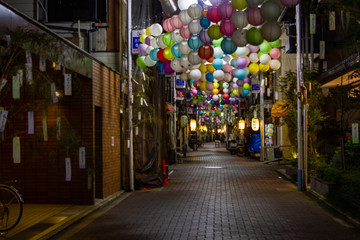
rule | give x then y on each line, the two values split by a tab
169	108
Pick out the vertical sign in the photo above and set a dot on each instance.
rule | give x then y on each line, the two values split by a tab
28	73
42	63
67	84
82	161
332	22
45	133
312	23
68	169
16	87
112	141
135	41
3	118
322	50
16	149
30	122
355	133
58	127
3	83
20	74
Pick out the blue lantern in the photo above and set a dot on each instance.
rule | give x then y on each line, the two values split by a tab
209	77
205	22
233	63
194	42
228	46
240	74
153	54
175	50
217	63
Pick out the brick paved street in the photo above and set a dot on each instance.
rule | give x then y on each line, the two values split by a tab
214	195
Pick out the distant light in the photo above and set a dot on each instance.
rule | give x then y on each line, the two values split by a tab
57	93
207	2
213	167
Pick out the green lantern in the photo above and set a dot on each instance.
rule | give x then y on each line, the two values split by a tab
140	61
217	42
214	32
253	36
167	40
239	4
265	47
275	44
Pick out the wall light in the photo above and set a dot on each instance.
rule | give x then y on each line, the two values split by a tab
242	124
192	125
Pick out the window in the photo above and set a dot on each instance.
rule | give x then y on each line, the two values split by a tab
83	10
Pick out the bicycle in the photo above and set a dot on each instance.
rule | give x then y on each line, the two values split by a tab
11	208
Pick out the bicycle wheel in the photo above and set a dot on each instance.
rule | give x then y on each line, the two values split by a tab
11	208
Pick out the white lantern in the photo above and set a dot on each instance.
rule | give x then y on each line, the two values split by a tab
195	27
175	35
184	62
253	57
184	47
149	62
184	77
156	29
195	74
195	11
219	75
255	124
184	17
275	64
194	58
239	19
265	59
175	65
242	51
185	4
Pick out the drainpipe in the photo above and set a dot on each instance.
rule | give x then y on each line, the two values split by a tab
130	140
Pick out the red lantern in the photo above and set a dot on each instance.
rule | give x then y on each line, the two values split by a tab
227	28
160	55
226	10
206	51
290	3
254	16
214	15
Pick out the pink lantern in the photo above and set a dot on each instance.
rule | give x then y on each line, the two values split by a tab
242	62
253	48
194	91
167	25
274	53
227	28
176	22
254	16
290	3
226	10
227	68
185	32
214	14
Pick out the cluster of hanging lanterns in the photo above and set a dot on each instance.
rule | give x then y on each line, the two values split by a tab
218	48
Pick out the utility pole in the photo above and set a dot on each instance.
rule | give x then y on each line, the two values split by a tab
130	98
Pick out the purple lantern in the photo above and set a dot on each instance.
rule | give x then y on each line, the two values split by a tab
253	48
247	80
148	39
167	68
226	10
204	37
142	49
242	62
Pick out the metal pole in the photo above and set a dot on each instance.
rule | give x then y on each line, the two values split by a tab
305	137
262	132
173	84
130	98
299	83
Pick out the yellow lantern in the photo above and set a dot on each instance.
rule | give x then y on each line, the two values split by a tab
255	124
193	125
242	124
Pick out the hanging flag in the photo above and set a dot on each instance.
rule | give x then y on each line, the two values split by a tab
58	127
30	122
312	23
15	87
82	160
67	85
322	50
16	150
3	118
68	169
332	22
45	133
3	83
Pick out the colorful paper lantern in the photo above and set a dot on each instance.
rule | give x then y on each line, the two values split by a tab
156	29
185	4
153	54
195	27
176	22
226	10
176	51
214	32
271	31
254	16
270	11
275	53
265	47
167	25
142	49
242	62
240	74
184	62
194	57
140	61
153	43
254	37
185	32
195	11
195	74
184	17
275	64
218	52
239	38
194	42
206	51
149	62
159	41
160	55
175	35
168	54
239	4
205	22
253	57
175	65
227	28
217	42
184	47
290	3
213	14
210	77
204	37
265	59
167	40
275	44
228	46
264	68
239	19
219	75
253	68
254	3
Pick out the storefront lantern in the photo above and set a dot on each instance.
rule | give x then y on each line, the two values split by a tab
242	124
193	125
255	123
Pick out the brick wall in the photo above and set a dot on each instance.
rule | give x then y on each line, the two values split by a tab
106	90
